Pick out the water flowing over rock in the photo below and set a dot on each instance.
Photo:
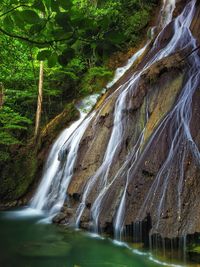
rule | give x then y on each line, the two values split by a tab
135	158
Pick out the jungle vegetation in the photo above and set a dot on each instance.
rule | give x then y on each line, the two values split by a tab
74	39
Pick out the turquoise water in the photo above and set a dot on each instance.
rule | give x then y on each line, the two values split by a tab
26	243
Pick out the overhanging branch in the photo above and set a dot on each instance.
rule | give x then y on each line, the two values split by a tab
26	39
12	9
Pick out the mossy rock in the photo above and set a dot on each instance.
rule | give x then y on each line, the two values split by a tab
194	248
137	245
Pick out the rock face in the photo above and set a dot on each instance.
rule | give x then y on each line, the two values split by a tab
154	172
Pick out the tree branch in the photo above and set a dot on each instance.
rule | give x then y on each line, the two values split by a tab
26	39
12	9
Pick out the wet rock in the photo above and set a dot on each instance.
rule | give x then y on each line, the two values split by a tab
59	218
86	225
67	211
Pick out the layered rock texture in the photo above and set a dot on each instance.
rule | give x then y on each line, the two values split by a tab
153	173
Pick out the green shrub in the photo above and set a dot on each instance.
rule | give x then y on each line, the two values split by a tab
95	80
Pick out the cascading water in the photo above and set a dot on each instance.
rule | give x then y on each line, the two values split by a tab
59	170
120	71
57	175
167	12
181	39
51	192
180	116
115	144
113	147
182	24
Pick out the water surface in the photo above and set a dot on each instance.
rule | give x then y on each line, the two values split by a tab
24	242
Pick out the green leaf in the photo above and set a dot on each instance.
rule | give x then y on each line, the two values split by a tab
115	37
54	6
47	4
8	23
30	16
66	56
8	139
36	28
4	156
61	34
38	4
52	60
63	20
43	54
65	4
19	21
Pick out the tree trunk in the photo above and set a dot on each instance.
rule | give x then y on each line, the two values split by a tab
39	102
1	95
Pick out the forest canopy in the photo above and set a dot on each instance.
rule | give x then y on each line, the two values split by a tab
75	39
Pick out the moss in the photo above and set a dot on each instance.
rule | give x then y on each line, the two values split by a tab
18	173
95	79
69	113
195	249
137	245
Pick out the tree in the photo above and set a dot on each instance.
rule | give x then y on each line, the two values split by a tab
64	29
39	102
74	38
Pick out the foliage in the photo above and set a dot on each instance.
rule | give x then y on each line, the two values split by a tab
75	38
11	123
95	79
66	29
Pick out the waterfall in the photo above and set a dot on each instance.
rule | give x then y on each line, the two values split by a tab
167	12
57	175
112	150
60	165
181	39
180	116
115	143
120	71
